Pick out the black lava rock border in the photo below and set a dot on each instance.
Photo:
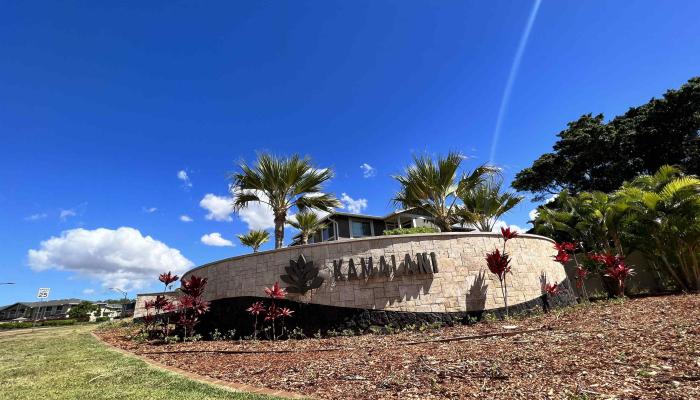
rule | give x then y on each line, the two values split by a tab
230	314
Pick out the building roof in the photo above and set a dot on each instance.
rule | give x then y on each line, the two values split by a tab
48	303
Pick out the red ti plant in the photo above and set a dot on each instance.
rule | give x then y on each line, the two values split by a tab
565	252
256	309
620	272
499	263
148	318
168	279
551	289
615	268
192	306
272	313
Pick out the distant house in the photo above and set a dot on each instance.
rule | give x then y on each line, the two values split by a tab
109	310
52	309
342	225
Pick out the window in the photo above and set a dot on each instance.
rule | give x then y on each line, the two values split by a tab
361	228
325	234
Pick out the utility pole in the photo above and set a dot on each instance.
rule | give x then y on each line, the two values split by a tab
126	299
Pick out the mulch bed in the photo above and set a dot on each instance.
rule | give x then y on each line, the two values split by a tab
633	349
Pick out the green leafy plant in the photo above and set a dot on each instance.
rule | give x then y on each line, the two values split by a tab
81	312
410	231
483	204
307	223
254	239
434	186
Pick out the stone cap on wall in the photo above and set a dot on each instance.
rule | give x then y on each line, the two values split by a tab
369	238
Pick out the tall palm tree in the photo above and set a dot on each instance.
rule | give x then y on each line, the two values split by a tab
483	204
307	223
282	183
254	239
434	186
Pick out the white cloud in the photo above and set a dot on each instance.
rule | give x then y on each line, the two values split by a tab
215	239
502	224
150	210
65	214
120	257
368	171
185	218
258	215
355	206
533	214
220	207
88	291
36	217
182	175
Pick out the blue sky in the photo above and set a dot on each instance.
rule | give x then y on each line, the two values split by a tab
102	105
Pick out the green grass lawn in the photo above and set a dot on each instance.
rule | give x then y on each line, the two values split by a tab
68	363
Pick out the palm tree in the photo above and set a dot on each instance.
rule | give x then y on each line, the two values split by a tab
254	239
307	223
485	203
282	183
434	186
664	222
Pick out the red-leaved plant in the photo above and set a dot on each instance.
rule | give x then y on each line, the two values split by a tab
191	305
163	304
614	268
498	263
256	309
565	252
272	312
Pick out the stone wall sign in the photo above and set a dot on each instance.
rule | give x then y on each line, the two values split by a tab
423	263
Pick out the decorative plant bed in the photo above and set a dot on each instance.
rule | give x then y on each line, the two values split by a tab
640	348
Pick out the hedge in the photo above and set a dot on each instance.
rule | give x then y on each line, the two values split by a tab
25	325
408	231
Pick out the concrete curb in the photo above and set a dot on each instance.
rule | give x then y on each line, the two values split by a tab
236	387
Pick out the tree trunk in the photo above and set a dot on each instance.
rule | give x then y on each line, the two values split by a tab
618	244
304	239
443	224
279	230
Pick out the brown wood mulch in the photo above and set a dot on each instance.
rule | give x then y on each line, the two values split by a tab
633	349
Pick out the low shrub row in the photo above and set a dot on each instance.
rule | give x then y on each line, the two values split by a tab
409	231
25	325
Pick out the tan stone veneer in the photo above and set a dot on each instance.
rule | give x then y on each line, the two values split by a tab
463	282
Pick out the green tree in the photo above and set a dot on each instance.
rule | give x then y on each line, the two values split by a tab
82	311
254	239
483	204
282	183
592	155
307	223
434	186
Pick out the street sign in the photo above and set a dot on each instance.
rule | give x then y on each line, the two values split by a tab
43	293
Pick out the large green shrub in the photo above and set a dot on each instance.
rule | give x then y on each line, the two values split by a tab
408	231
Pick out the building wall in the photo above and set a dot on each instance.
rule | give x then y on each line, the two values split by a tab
463	282
141	299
